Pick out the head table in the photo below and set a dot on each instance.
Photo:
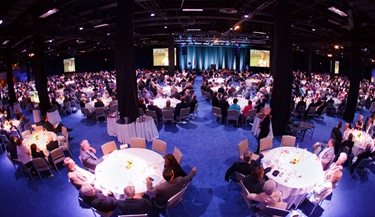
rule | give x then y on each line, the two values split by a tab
360	139
129	167
299	171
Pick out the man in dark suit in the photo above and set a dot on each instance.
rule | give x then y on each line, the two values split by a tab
192	103
157	110
99	103
180	106
53	128
78	176
361	156
172	186
244	167
301	103
51	144
224	105
96	199
337	135
88	156
133	204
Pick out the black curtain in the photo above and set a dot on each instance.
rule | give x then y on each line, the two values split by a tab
282	68
126	81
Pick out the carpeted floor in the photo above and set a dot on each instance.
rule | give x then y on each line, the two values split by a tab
205	143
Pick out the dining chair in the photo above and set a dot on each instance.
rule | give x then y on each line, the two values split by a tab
64	143
27	126
113	108
251	116
184	114
238	177
23	168
25	134
86	113
10	159
57	155
40	165
167	116
159	146
207	94
217	113
4	141
137	142
175	200
233	116
141	112
178	155
311	112
243	146
244	193
287	140
134	215
99	112
74	105
195	111
108	147
275	211
361	168
265	144
152	114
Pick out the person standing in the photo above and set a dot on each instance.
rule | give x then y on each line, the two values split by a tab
264	126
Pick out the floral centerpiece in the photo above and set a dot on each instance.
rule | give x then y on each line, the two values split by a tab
130	164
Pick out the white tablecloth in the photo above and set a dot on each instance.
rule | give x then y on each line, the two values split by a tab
54	117
360	139
8	125
299	170
147	129
111	125
39	139
124	132
36	115
116	172
255	130
160	102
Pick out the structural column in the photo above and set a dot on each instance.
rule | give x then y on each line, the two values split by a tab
171	67
354	77
11	92
126	80
40	74
282	68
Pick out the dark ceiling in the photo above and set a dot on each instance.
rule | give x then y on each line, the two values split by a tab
313	25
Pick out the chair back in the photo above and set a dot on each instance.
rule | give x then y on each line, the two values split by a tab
300	109
274	211
216	111
242	147
184	113
137	143
177	154
233	114
40	164
141	112
174	200
57	155
266	143
15	133
240	176
251	114
133	215
196	107
152	114
167	115
244	193
26	133
99	111
108	147
159	146
113	108
85	111
64	131
287	140
27	126
317	150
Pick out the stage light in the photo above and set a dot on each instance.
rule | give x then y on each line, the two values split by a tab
49	13
337	11
337	46
237	27
152	15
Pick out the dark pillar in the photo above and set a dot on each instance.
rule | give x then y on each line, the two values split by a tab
126	81
309	60
354	77
171	67
28	70
11	92
282	58
40	74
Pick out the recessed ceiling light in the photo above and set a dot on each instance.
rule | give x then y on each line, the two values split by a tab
101	25
246	16
193	9
165	27
313	30
1	22
152	15
80	28
108	33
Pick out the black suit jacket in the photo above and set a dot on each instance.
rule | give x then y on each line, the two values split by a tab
264	127
98	104
48	126
157	110
241	167
89	161
133	206
52	145
99	201
178	108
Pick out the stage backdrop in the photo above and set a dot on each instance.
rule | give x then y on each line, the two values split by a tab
201	57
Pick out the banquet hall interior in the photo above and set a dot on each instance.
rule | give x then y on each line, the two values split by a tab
311	62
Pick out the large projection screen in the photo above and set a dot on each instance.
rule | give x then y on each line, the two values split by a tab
259	58
160	56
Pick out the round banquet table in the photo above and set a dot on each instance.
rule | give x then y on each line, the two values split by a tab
125	131
114	173
41	142
360	139
242	102
161	102
299	171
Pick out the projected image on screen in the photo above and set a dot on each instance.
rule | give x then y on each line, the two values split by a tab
161	56
34	97
69	65
259	58
337	67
